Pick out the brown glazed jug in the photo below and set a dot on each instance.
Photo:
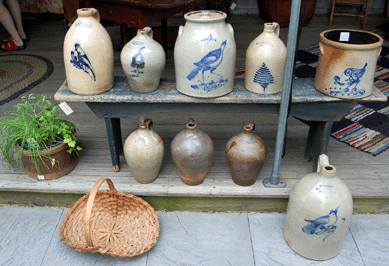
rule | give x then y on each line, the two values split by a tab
192	152
143	150
246	154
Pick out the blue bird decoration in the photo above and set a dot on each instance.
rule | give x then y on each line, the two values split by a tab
138	61
81	61
323	224
351	78
210	62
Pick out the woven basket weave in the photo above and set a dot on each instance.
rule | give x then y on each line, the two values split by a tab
110	222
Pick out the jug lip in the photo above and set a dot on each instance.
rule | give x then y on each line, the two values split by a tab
327	38
85	12
328	169
205	16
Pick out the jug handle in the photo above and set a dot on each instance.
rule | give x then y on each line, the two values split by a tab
277	29
149	124
149	31
96	14
323	160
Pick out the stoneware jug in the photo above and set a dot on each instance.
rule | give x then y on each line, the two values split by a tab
265	62
347	63
88	55
143	150
192	152
318	214
204	55
143	60
246	154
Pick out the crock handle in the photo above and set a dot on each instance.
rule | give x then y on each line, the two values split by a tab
379	52
321	48
230	29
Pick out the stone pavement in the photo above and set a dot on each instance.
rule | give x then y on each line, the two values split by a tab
30	236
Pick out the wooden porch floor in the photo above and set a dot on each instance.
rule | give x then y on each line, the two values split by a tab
366	176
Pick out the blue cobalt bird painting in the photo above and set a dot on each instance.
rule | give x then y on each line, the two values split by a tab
138	62
326	224
346	84
80	60
208	39
210	62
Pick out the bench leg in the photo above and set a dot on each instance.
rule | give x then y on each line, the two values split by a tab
115	141
317	142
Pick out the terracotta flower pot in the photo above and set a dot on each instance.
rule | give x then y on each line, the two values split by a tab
64	162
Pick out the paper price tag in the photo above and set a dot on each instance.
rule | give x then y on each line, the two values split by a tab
65	108
41	177
344	36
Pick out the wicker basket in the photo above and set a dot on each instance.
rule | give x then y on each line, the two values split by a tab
110	222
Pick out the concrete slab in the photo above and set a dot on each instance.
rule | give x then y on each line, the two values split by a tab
371	234
30	236
270	248
26	233
202	239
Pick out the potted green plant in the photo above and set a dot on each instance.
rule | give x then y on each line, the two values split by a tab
44	141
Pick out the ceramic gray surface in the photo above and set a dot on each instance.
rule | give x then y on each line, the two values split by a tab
371	234
30	236
202	239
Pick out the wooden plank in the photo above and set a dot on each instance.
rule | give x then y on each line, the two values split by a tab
179	203
303	91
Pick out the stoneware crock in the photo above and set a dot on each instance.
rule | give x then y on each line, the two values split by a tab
205	54
347	63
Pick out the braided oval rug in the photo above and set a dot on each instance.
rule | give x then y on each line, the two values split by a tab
20	73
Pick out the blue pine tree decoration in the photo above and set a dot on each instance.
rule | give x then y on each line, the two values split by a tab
263	77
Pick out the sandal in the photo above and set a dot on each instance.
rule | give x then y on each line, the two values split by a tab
11	46
10	39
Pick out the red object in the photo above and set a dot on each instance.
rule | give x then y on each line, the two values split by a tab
11	46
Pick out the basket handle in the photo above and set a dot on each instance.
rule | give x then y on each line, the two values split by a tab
89	206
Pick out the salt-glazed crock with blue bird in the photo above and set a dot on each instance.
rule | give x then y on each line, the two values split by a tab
88	55
347	63
318	214
205	55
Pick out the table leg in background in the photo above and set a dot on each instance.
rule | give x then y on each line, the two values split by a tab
114	140
317	142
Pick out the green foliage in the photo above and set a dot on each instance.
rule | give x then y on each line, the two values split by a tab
35	124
